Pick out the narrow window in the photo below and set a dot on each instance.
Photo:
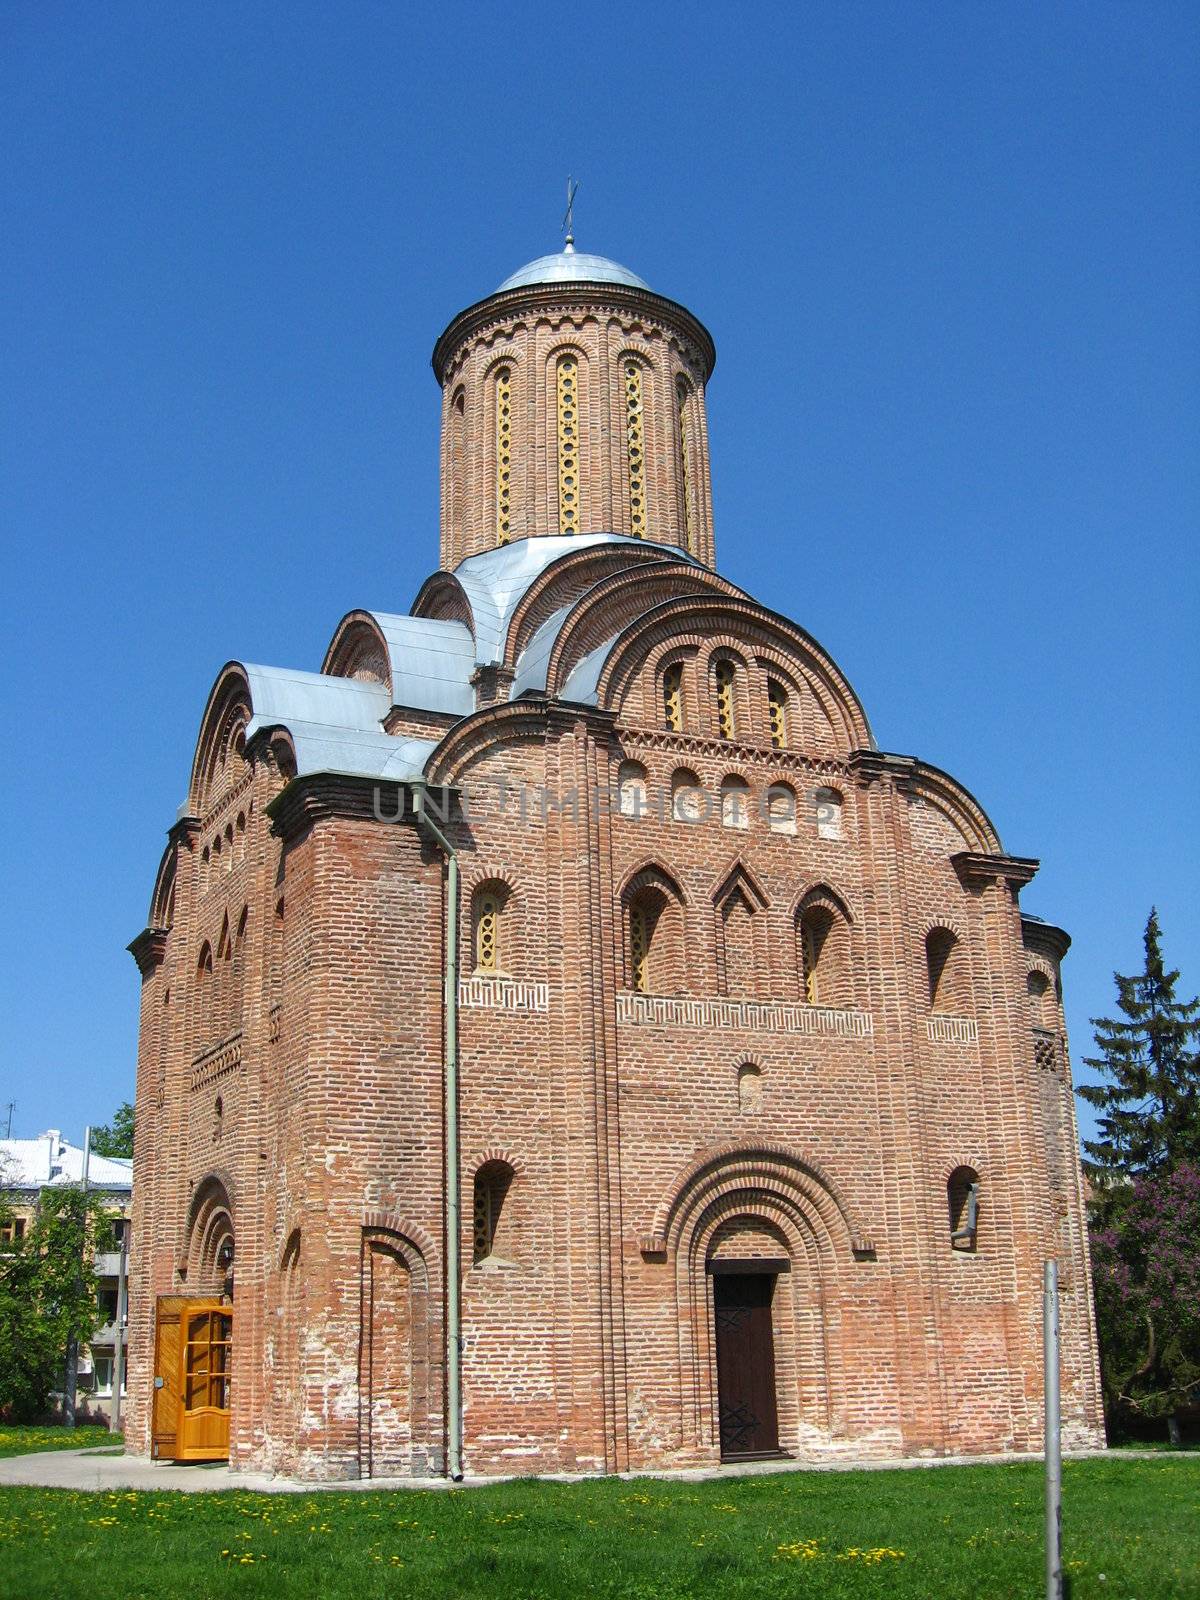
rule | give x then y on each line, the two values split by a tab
812	937
487	932
962	1199
823	939
723	678
749	1088
685	474
672	694
568	444
635	440
492	1183
458	464
829	814
503	455
639	948
944	968
777	712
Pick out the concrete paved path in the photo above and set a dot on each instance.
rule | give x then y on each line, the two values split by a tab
93	1469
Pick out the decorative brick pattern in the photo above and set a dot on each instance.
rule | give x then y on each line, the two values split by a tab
741	1016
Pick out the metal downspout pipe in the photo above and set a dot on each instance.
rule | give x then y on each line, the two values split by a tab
427	825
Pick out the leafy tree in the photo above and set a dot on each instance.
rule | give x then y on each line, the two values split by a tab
1150	1106
116	1139
1146	1268
47	1295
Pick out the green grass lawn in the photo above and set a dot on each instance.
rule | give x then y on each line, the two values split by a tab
24	1441
968	1532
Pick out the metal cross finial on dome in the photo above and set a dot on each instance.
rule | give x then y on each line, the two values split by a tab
568	220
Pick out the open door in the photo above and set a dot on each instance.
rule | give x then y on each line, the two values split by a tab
193	1349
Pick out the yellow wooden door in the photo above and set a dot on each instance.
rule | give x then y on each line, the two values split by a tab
165	1425
205	1349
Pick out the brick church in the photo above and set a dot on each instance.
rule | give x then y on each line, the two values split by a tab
569	1043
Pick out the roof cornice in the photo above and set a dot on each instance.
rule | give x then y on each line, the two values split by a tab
544	297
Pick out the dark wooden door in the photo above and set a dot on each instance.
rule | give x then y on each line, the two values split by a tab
745	1364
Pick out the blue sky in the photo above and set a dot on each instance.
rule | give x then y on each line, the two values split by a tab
948	253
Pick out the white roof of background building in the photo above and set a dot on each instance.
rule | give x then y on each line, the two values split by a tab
51	1160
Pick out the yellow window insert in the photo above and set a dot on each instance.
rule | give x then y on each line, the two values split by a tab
724	681
777	712
503	455
672	692
637	455
568	444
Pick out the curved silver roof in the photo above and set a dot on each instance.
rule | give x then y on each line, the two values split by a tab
336	723
572	266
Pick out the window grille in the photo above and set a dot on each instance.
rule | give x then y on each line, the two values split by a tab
637	455
568	444
503	455
724	681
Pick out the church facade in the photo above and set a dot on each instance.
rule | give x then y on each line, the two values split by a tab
568	1041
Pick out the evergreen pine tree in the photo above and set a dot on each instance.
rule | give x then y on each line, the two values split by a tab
1149	1108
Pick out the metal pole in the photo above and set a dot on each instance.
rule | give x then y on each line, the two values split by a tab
453	1175
119	1336
71	1387
1054	1587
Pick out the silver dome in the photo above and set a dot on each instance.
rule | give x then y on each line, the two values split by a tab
572	266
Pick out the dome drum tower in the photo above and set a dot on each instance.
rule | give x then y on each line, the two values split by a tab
573	402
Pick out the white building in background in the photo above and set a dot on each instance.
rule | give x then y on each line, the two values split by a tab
27	1167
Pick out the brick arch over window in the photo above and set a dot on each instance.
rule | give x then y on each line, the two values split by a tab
824	967
397	1432
654	934
947	973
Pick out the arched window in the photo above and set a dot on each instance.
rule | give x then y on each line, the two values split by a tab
635	441
777	713
749	1083
1042	1000
488	918
823	950
655	957
781	808
689	803
204	967
735	802
458	462
962	1199
829	814
567	394
241	836
724	677
229	847
631	789
492	1184
685	470
503	423
672	696
945	967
